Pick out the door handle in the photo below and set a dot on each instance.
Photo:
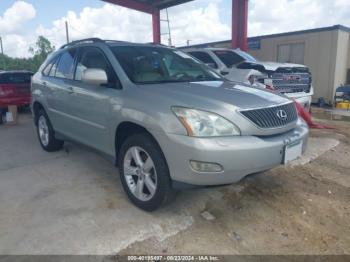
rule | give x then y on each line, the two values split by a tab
44	83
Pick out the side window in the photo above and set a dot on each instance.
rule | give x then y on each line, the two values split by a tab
46	70
54	67
92	57
65	67
204	57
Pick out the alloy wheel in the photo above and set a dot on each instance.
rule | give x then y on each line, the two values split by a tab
140	173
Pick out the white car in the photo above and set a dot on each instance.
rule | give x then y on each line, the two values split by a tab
292	80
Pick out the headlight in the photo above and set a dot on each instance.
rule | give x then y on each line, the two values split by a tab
203	124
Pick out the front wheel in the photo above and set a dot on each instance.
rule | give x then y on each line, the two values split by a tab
46	134
144	172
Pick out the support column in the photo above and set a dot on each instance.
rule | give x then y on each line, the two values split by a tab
239	24
156	26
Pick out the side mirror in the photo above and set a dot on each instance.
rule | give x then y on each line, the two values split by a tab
224	73
94	76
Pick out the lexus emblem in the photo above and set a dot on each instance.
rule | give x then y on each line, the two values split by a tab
281	114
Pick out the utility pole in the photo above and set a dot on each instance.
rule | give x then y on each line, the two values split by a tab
167	18
188	42
2	52
2	49
67	33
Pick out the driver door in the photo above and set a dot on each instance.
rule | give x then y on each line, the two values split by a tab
89	105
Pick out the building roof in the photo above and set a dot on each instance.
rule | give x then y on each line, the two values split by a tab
256	38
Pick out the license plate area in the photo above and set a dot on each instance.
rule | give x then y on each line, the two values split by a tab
292	151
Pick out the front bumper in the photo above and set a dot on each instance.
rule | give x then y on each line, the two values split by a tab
303	98
239	156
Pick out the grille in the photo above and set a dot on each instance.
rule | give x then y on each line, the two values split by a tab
268	117
291	82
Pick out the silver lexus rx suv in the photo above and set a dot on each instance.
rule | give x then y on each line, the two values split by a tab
168	120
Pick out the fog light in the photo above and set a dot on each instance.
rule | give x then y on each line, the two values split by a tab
205	166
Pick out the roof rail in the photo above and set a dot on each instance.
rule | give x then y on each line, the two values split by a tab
93	40
115	41
157	44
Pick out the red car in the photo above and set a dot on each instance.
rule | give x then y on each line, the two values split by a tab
15	88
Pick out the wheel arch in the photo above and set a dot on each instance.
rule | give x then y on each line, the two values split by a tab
37	106
126	129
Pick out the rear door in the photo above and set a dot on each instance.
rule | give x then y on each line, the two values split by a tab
56	79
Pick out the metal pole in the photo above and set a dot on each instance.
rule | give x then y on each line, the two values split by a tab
67	33
156	26
239	24
167	18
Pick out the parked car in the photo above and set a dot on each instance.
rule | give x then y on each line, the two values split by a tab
15	88
168	120
292	80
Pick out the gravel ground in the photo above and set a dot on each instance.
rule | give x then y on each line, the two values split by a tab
288	210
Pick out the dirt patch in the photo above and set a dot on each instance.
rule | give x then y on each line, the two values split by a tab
300	209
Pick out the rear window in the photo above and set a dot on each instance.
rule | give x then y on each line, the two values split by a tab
15	78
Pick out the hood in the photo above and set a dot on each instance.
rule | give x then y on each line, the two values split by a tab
268	66
273	66
216	92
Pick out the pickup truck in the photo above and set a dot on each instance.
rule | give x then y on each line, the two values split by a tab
292	80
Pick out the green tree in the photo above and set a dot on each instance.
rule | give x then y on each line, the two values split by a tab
40	51
42	47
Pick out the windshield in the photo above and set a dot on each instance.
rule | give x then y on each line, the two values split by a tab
247	57
147	65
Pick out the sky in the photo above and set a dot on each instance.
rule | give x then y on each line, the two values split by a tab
200	21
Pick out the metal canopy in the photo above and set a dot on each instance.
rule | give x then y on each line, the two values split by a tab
162	4
153	7
147	6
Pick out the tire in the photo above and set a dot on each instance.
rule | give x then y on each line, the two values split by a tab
46	134
137	175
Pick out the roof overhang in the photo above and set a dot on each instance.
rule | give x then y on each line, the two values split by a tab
147	6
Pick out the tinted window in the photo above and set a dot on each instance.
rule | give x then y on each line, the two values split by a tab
15	78
229	58
92	57
48	67
160	65
54	67
204	57
65	67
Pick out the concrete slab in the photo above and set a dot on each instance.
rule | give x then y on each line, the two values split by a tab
59	203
